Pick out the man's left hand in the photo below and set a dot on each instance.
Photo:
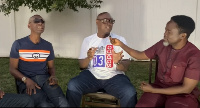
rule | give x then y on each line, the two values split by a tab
146	87
53	80
117	56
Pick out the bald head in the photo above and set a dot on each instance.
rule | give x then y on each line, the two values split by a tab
104	23
33	17
101	15
36	24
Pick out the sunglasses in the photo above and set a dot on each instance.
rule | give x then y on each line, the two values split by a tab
37	20
105	21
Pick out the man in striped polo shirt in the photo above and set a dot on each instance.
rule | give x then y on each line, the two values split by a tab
32	64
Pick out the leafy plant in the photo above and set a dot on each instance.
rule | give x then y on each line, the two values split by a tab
7	6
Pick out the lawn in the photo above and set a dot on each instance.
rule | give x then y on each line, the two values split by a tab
68	68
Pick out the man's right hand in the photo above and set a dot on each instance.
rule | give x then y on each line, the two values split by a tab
1	94
91	53
31	86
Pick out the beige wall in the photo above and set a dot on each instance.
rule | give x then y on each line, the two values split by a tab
141	22
7	34
197	31
64	30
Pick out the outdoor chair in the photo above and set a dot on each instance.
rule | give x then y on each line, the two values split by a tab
150	69
100	99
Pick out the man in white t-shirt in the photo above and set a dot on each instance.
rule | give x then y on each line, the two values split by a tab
104	66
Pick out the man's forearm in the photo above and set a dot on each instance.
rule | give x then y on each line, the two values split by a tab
18	75
171	90
52	71
13	68
83	63
134	53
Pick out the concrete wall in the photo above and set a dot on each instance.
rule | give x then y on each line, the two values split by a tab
7	34
64	30
141	22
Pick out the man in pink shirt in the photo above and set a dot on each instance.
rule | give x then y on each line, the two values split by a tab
178	68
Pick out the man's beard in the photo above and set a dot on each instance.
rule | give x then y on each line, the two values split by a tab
165	43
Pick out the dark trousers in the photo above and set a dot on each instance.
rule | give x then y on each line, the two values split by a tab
16	100
48	95
153	100
118	86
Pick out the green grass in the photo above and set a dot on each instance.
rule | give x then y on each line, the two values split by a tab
68	68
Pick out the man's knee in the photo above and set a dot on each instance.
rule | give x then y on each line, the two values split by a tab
151	100
131	95
28	101
63	102
73	84
130	92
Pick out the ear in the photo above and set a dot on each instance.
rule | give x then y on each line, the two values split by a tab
29	25
183	35
96	22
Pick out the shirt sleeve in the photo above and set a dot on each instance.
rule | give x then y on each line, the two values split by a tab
151	52
14	52
51	55
193	68
84	49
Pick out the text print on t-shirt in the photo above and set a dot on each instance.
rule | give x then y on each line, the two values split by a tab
102	59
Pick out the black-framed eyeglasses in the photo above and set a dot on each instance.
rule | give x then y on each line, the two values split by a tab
105	21
37	20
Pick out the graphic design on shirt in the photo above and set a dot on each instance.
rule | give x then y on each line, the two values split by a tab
34	55
102	59
109	56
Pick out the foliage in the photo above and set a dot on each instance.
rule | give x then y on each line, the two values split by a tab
7	6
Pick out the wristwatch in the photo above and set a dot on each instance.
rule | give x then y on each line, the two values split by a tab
24	79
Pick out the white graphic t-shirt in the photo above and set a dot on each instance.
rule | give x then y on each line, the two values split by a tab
102	64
